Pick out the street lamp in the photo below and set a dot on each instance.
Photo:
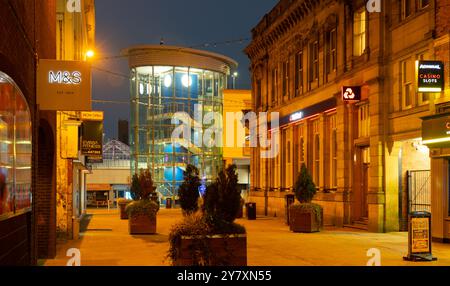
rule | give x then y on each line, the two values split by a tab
234	76
90	54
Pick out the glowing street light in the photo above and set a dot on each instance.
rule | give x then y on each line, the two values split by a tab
234	76
90	54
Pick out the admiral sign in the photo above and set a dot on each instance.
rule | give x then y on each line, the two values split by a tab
430	76
64	85
351	93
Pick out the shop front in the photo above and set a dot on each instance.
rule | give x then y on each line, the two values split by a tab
436	135
15	174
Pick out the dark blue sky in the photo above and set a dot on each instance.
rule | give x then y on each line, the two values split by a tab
122	23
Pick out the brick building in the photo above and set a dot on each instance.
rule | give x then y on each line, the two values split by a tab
367	157
27	29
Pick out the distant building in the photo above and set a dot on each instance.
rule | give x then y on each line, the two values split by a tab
123	132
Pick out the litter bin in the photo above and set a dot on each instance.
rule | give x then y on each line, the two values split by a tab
168	203
419	237
290	199
251	211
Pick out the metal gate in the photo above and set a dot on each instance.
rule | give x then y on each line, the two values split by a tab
419	191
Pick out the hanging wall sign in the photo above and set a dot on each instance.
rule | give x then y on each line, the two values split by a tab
430	76
64	85
92	135
351	93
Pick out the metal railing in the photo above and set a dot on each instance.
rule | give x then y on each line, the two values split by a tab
419	191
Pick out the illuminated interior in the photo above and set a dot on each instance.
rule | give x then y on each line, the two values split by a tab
15	149
158	92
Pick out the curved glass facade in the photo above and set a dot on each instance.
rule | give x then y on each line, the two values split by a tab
157	93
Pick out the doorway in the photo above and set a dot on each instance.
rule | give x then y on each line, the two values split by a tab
360	212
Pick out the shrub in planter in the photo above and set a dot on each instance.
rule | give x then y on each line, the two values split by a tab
304	215
142	211
210	237
142	216
122	203
189	190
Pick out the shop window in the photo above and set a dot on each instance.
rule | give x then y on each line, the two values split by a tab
15	150
359	33
333	151
406	77
299	73
316	162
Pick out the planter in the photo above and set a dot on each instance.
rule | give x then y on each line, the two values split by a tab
123	213
142	224
303	221
225	251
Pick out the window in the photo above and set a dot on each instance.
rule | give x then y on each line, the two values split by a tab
406	83
405	9
316	176
331	57
15	150
258	94
364	121
299	73
333	151
423	3
359	33
274	86
286	78
314	61
423	98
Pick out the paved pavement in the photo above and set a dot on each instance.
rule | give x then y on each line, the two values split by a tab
270	243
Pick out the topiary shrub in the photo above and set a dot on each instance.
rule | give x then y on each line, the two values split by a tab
188	191
142	190
304	188
223	198
135	190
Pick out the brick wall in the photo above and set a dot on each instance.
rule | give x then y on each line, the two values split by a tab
27	29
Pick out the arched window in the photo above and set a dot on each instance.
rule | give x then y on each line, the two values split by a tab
15	150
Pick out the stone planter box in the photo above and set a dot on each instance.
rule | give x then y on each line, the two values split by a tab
305	222
227	251
141	224
123	213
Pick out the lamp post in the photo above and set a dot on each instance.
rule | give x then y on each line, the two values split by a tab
234	76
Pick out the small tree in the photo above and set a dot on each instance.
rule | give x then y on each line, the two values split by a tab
304	187
189	190
147	187
135	190
223	197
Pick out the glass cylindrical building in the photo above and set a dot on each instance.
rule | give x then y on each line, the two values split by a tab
165	81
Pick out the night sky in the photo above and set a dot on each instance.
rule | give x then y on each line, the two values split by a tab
121	24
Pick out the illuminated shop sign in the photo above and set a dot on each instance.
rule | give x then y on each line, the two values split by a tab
430	76
92	135
436	131
64	85
296	116
351	93
309	111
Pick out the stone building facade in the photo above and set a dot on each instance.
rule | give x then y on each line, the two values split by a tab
365	155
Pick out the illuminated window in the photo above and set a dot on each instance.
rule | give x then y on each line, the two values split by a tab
364	121
299	73
15	149
406	74
423	98
359	33
316	127
333	151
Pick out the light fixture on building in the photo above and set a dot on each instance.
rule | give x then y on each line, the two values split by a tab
90	54
168	80
141	89
186	80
